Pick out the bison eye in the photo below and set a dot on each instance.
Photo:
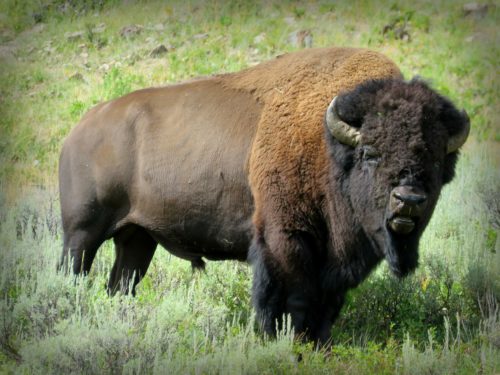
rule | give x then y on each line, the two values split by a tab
371	155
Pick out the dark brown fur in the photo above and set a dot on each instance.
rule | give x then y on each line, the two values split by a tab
240	165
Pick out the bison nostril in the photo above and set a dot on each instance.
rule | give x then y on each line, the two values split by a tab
398	196
410	198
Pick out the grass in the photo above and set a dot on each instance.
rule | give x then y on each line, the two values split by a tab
442	319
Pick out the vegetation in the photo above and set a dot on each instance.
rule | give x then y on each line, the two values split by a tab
59	58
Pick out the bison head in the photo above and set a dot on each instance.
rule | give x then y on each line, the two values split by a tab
396	145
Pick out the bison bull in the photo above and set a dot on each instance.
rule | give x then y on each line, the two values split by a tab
263	165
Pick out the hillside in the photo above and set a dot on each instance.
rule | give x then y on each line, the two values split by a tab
59	58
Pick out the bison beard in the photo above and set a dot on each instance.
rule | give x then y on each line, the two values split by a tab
313	195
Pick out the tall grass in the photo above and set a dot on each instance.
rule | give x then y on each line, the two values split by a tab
442	319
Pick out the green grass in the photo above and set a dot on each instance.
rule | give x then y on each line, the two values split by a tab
443	319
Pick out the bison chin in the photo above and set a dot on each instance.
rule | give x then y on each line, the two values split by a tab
401	252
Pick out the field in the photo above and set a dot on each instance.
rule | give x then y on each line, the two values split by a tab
59	58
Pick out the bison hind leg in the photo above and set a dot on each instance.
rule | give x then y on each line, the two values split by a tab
134	249
80	247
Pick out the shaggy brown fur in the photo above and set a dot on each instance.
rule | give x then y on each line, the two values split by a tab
289	146
241	165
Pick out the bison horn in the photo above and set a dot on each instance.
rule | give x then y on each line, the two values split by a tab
340	130
456	141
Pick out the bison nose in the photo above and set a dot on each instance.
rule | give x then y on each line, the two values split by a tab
408	196
407	200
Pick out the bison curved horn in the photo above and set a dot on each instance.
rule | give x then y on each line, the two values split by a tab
340	130
456	141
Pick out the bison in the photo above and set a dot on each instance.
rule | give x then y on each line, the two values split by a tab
262	165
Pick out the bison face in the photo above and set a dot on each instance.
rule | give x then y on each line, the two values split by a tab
396	144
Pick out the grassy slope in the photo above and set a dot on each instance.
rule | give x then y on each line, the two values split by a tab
202	322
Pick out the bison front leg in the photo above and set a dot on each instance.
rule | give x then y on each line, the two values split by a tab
268	296
289	285
330	307
312	309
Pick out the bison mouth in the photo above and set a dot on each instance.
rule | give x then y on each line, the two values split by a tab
406	205
402	224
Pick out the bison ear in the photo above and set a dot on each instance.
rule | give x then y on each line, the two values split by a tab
457	124
352	106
